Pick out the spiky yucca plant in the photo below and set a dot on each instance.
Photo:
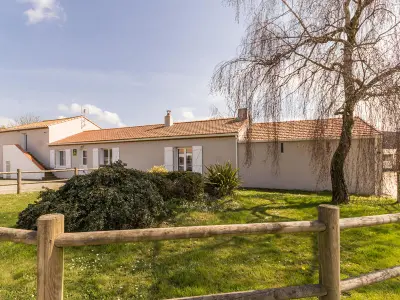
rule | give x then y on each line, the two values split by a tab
222	179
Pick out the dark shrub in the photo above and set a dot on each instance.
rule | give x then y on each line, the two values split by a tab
107	199
221	180
186	185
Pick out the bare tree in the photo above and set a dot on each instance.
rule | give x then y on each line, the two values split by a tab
319	57
25	119
397	161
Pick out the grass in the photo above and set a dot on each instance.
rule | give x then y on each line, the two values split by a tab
159	270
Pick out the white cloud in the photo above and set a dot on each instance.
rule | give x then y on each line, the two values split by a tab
61	117
63	107
92	110
188	115
44	10
4	121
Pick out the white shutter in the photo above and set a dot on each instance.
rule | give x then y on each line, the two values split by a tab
68	158
198	159
95	158
175	159
101	157
169	158
52	159
115	154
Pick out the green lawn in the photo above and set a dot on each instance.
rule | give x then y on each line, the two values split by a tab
159	270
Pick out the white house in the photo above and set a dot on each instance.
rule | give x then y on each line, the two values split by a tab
191	146
26	147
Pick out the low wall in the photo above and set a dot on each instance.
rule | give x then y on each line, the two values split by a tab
18	160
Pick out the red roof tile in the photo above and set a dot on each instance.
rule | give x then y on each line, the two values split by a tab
290	130
40	124
306	129
180	129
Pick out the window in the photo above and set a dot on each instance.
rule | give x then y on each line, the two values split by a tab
84	157
107	156
62	158
185	159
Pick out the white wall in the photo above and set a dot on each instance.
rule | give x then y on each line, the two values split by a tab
146	154
37	143
65	129
297	169
19	160
389	186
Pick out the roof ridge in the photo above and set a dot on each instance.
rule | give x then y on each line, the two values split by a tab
74	117
160	124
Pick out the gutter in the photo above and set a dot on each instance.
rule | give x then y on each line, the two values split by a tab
147	139
313	139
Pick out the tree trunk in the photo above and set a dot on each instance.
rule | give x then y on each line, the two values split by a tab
398	187
397	161
340	192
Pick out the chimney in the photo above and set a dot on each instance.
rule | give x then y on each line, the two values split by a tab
168	121
242	114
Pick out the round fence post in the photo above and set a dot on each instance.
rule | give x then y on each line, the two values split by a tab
76	171
50	259
329	251
19	181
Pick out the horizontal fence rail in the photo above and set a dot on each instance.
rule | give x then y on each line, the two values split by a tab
370	278
369	221
21	182
290	292
18	236
174	233
51	240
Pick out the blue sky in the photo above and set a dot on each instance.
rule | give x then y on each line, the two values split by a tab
127	61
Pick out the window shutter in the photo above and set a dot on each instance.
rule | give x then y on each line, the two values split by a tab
95	158
52	159
175	159
115	154
68	158
169	158
198	159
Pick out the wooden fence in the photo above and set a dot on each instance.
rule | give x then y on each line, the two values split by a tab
51	241
20	183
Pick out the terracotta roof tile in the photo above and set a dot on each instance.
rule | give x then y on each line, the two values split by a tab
40	124
179	129
306	129
290	130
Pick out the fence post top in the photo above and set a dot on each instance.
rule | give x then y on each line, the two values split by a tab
328	206
51	217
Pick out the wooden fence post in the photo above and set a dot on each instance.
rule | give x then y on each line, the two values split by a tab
76	171
50	259
329	251
19	181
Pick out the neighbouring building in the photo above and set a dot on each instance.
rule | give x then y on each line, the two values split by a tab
26	147
282	155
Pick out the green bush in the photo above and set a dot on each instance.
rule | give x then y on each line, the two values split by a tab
186	185
221	180
114	198
110	198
